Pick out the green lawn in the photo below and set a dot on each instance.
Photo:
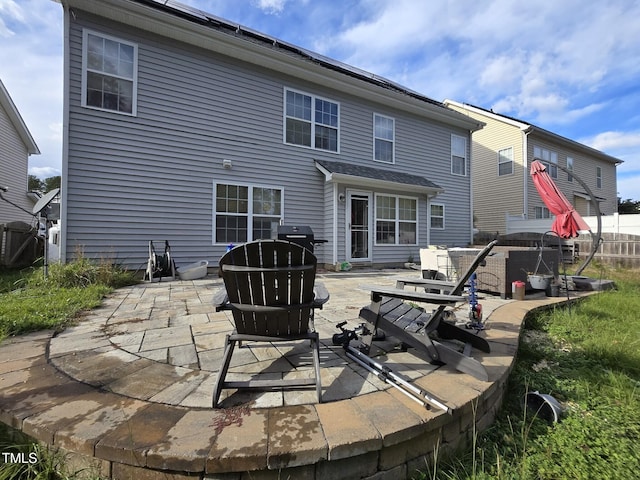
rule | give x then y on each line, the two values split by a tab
588	357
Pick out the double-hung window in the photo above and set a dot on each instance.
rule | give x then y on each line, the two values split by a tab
542	212
396	220
598	177
436	216
505	161
570	168
383	138
243	213
549	158
458	155
109	73
311	121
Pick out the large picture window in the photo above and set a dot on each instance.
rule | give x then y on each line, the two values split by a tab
243	213
396	220
109	73
311	121
458	155
383	138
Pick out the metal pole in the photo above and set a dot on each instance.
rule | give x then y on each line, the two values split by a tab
386	374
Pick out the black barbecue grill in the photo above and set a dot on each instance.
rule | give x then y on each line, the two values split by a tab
301	235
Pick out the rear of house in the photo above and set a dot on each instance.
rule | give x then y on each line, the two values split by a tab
184	127
502	153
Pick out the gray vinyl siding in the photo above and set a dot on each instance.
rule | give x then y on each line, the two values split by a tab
585	169
152	176
13	172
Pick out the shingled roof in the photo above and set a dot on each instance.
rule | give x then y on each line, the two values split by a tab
348	172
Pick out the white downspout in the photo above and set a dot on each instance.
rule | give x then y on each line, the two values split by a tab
525	163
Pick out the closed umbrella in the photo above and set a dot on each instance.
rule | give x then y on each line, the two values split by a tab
568	222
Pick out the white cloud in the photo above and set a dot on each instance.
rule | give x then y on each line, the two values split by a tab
614	140
44	172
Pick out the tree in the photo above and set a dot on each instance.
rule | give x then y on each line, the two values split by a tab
43	186
51	183
35	184
628	206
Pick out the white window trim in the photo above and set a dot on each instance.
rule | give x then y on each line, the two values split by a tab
249	214
85	41
505	162
599	177
313	122
553	172
570	167
444	208
542	211
396	220
466	155
393	139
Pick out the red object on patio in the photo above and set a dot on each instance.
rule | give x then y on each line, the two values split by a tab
568	222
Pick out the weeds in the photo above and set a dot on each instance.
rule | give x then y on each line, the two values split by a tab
587	357
30	302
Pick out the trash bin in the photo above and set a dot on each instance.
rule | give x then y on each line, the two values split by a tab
301	235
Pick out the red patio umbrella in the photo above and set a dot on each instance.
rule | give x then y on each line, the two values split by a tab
568	222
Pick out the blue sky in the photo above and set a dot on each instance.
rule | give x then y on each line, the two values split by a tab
570	66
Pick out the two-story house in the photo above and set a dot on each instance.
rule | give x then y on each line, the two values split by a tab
187	127
16	145
502	153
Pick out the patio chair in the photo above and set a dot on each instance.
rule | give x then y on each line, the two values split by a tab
390	312
271	291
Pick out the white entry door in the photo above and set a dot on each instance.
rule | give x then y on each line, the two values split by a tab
359	239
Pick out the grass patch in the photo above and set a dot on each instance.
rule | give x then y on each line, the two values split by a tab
588	357
30	302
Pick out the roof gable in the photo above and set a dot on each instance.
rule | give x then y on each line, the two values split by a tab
535	130
17	121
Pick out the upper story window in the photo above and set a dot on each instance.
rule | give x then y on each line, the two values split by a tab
311	121
396	220
570	168
542	212
109	73
458	155
246	212
436	215
549	158
598	177
383	138
505	161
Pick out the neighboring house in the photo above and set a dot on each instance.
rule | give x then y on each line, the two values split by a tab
16	144
186	127
502	154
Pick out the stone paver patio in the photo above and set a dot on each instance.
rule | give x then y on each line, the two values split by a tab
129	390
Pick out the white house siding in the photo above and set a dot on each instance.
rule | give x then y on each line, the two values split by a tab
13	172
151	177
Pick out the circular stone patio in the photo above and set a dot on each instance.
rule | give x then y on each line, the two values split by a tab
128	391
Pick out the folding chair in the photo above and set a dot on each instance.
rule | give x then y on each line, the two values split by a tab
389	312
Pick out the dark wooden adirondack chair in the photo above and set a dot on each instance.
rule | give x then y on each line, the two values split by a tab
390	311
271	290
